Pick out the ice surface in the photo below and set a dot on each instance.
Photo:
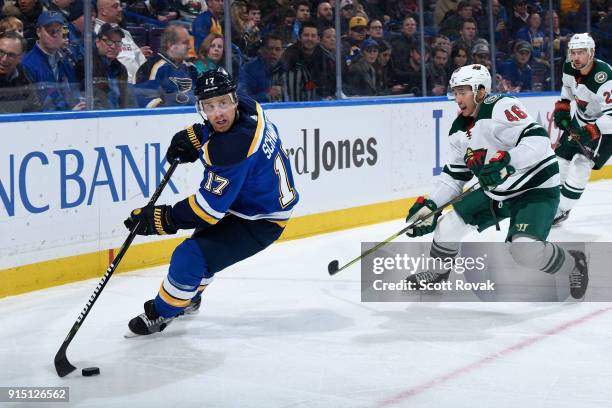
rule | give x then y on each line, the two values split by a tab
277	331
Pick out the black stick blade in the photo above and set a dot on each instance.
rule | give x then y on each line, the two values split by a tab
62	365
333	268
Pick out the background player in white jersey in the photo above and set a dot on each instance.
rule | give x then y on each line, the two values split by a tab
588	82
496	140
242	205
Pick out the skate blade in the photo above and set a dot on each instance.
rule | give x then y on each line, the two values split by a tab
130	334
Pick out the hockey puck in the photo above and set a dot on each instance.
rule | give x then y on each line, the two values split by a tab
90	371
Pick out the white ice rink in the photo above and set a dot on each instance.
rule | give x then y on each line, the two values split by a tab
277	331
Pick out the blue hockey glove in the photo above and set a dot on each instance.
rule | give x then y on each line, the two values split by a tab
421	208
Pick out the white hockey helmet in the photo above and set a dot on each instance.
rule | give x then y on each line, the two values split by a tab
581	41
475	75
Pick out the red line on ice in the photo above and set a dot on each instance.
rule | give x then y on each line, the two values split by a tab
419	389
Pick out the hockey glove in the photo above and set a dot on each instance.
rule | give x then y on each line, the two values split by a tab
588	135
420	209
186	144
151	220
561	115
496	171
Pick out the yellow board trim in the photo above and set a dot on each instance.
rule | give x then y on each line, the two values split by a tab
27	278
201	213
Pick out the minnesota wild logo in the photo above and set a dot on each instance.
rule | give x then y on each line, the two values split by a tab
601	77
474	159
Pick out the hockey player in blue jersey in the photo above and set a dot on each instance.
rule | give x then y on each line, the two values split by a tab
242	205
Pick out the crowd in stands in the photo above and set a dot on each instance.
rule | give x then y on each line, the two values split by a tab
147	53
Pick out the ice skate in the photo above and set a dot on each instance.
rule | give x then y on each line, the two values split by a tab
194	307
579	276
148	322
560	217
426	277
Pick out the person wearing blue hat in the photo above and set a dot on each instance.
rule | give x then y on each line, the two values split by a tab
53	75
362	73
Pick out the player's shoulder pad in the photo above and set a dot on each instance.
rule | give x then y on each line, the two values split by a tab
568	70
238	143
460	124
491	102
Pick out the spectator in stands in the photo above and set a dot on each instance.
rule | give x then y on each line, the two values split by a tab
302	14
468	33
358	27
519	17
396	10
454	22
306	75
325	15
210	55
500	23
132	57
561	36
347	11
245	35
402	45
284	28
374	9
459	58
375	30
444	8
533	35
481	54
110	77
17	93
11	23
411	77
328	40
516	72
262	78
76	27
361	77
437	78
442	41
254	14
188	10
53	75
384	71
30	10
166	79
61	6
208	22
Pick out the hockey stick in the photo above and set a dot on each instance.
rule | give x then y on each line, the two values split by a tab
576	138
62	365
333	267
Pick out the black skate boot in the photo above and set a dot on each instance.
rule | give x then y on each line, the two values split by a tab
560	217
148	322
194	306
579	276
426	277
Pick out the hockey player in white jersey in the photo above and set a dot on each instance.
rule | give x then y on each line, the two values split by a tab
588	82
496	140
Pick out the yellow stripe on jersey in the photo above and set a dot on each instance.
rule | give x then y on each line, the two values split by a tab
200	212
206	156
281	224
215	26
171	300
258	131
155	68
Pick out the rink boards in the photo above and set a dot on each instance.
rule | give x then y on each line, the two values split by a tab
67	181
